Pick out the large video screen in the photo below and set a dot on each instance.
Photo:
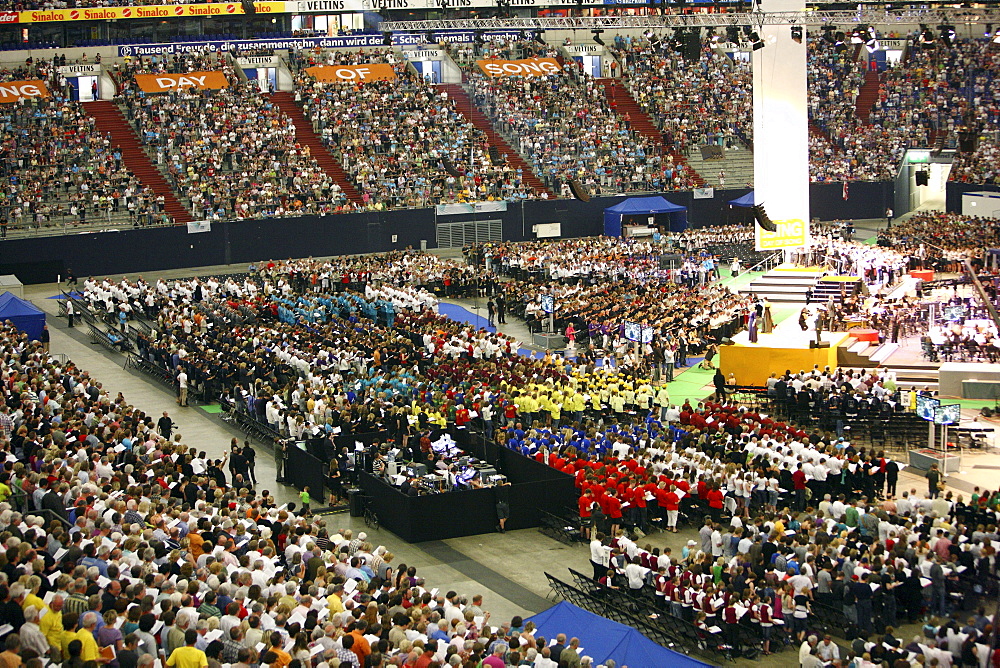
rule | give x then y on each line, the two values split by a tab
926	407
950	414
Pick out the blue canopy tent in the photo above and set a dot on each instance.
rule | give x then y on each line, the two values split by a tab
24	315
746	201
603	639
739	210
615	216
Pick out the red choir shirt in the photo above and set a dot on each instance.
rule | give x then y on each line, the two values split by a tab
614	508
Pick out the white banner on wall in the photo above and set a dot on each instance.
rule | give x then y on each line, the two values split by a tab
196	226
88	69
472	207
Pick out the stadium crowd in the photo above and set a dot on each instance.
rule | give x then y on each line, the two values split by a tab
232	153
567	128
661	81
58	169
153	555
950	235
817	519
405	144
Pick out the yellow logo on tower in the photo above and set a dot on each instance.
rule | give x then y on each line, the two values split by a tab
790	234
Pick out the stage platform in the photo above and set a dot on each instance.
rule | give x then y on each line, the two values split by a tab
778	352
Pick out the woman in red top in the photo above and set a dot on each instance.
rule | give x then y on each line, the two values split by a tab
614	511
585	503
672	502
715	502
640	517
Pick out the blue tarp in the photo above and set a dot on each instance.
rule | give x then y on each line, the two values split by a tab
638	206
746	201
24	315
603	639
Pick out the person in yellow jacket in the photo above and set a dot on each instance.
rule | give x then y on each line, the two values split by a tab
88	624
52	624
555	408
662	400
628	393
644	397
32	586
617	403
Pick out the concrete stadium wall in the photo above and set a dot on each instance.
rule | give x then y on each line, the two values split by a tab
42	259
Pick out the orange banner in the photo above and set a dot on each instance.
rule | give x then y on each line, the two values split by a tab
163	83
12	91
529	67
374	72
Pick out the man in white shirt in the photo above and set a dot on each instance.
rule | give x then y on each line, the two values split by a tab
182	388
599	557
717	544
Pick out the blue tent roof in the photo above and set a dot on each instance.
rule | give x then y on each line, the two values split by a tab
634	205
12	306
603	639
747	200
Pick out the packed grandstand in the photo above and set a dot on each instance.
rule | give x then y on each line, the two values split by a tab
501	138
128	545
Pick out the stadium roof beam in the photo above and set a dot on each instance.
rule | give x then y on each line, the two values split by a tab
815	17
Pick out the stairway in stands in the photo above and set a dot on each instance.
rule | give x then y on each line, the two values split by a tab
304	134
867	96
110	120
465	107
623	103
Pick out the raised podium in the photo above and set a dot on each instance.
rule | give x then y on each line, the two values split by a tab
548	340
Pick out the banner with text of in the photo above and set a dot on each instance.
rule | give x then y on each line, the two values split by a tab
200	10
164	83
370	72
790	234
12	91
529	67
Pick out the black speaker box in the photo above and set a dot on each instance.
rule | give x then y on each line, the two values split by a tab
449	167
579	191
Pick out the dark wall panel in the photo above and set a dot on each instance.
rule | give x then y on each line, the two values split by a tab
40	260
865	200
953	201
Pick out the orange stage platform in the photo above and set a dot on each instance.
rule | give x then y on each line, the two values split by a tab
778	352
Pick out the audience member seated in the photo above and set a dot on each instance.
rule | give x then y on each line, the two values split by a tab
567	129
232	153
661	81
404	144
949	236
58	170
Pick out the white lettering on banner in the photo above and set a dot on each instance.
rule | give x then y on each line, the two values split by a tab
20	90
298	43
521	69
180	82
